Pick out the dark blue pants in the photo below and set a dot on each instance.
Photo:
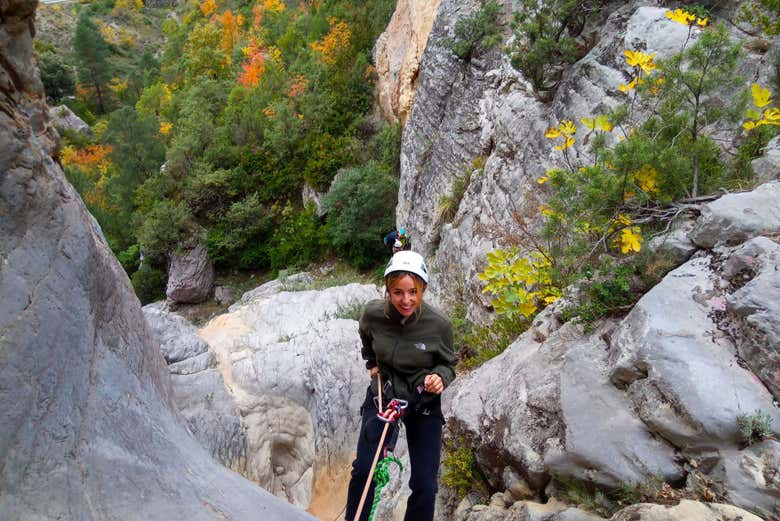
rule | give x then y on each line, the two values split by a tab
423	436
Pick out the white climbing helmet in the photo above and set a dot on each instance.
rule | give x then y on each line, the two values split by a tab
408	261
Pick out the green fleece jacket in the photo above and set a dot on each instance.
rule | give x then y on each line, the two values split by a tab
407	349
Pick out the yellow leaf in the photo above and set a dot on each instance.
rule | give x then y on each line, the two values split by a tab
748	125
542	179
589	123
552	133
567	127
761	96
702	22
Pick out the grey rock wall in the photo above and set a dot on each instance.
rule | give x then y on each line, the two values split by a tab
89	429
487	109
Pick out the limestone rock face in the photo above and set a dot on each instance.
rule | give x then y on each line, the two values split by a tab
178	338
291	363
89	427
735	218
64	119
686	510
397	55
190	276
486	110
767	167
630	400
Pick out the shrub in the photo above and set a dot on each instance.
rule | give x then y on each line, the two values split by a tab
545	35
165	228
754	427
298	240
476	33
460	467
57	76
360	206
149	283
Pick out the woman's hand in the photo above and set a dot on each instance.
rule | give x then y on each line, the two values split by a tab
433	384
373	371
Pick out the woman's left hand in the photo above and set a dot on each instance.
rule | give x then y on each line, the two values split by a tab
434	384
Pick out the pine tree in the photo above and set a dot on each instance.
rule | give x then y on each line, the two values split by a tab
92	53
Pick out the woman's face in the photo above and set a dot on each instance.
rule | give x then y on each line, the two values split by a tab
404	296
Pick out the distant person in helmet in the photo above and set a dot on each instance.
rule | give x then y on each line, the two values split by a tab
398	236
410	344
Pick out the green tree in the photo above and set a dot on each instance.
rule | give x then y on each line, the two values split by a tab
476	33
360	206
92	57
56	75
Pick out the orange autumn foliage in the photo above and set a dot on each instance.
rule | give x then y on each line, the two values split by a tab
231	29
94	161
208	7
253	67
298	86
334	42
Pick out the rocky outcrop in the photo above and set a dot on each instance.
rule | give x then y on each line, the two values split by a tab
280	402
734	218
64	119
89	426
190	276
767	167
397	55
685	511
486	110
629	401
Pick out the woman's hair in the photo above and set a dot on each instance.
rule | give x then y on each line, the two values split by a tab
392	280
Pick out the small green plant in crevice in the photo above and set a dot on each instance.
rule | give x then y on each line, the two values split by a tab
352	312
461	473
603	293
584	496
477	33
755	427
449	204
478	343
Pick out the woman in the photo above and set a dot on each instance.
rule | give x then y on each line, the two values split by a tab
410	345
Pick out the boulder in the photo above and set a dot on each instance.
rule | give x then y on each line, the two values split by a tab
686	510
767	167
225	295
675	245
669	363
178	338
298	381
89	430
752	477
190	276
64	119
561	415
735	218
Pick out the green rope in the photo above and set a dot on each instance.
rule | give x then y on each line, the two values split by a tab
381	478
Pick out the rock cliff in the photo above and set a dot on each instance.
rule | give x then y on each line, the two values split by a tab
397	55
484	112
89	428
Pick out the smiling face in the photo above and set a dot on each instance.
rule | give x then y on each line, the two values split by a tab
405	293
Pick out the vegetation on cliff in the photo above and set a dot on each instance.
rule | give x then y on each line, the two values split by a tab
214	136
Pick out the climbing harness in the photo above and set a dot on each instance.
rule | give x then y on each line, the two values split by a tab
395	410
382	478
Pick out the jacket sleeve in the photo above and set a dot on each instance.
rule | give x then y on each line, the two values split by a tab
367	339
447	358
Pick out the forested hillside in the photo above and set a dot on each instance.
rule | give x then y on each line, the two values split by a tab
209	132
